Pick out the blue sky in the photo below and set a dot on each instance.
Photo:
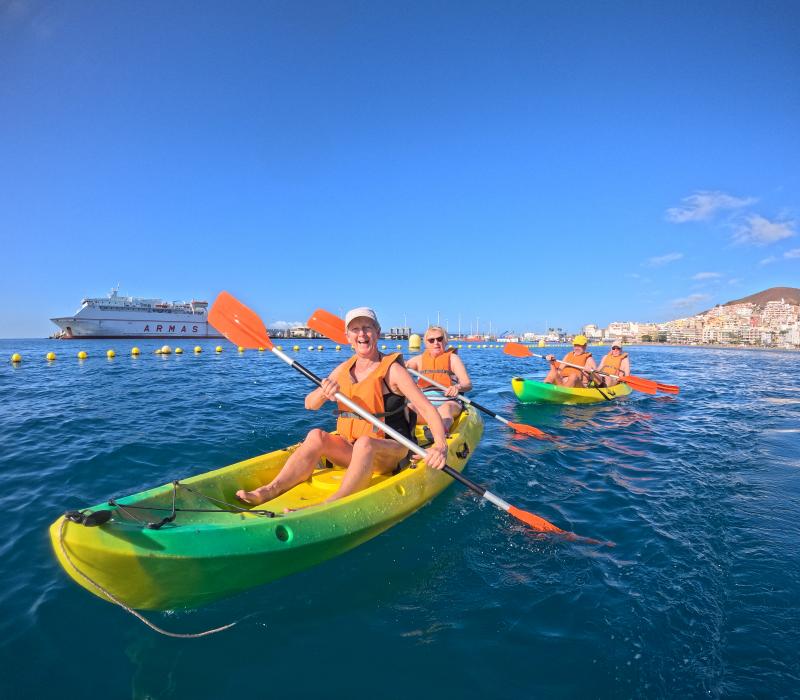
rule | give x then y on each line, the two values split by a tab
527	163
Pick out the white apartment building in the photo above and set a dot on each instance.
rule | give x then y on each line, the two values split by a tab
591	331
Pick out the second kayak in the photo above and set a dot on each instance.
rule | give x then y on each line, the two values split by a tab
530	391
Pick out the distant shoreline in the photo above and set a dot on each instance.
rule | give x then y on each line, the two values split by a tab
715	346
593	346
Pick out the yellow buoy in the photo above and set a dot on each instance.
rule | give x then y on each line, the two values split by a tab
279	347
241	349
311	347
218	348
399	347
459	347
197	349
414	342
338	347
110	354
50	356
166	350
179	351
383	347
296	348
157	351
134	351
319	347
260	349
82	355
16	357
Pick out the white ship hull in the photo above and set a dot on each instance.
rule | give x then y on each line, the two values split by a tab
143	327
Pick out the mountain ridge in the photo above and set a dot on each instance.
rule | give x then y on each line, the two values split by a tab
789	294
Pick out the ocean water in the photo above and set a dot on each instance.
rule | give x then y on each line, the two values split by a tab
700	493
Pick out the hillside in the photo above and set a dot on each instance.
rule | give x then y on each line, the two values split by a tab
788	294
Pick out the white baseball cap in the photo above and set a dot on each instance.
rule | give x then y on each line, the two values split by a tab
360	312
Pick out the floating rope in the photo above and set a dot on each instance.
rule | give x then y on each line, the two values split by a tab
100	517
116	600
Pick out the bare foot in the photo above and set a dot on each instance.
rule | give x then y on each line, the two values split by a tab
253	498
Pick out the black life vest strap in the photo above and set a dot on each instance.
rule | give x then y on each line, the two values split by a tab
384	414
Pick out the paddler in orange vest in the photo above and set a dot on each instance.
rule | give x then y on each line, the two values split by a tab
443	365
564	375
615	363
380	384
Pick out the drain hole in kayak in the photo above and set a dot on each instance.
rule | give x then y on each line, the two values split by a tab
401	489
283	533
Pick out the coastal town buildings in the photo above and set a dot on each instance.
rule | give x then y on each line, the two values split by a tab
773	324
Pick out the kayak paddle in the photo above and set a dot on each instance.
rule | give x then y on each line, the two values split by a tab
242	326
332	327
648	386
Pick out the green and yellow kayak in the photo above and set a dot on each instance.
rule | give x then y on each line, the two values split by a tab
530	391
212	549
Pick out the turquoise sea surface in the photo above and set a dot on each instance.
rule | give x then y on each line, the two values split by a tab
700	492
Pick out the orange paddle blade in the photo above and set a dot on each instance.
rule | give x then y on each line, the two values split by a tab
530	430
238	323
667	388
537	523
329	325
542	525
517	350
658	386
639	384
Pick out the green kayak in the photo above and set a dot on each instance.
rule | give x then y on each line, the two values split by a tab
530	391
187	543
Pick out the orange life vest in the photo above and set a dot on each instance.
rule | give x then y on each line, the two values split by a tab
368	393
574	359
612	364
437	368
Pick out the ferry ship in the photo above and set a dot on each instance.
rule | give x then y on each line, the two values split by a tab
118	316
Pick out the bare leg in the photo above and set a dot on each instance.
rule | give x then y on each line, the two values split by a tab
449	412
552	376
369	455
300	465
570	380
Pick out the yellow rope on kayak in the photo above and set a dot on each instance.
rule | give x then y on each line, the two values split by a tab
116	600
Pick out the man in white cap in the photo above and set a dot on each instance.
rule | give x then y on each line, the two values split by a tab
381	385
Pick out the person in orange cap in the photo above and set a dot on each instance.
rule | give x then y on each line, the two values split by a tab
564	375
